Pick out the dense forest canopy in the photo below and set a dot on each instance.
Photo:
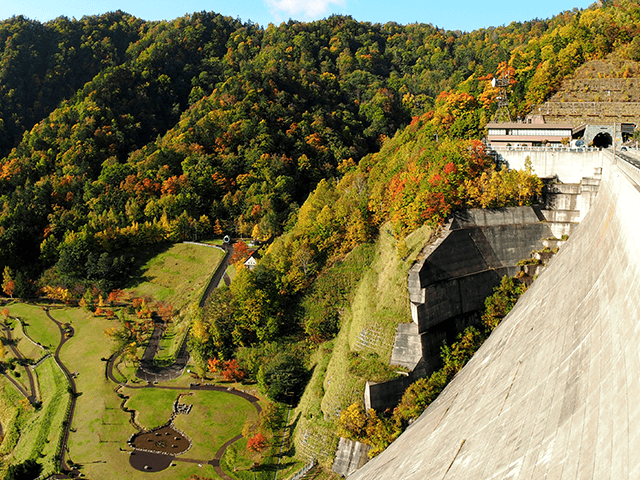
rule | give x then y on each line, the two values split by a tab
117	133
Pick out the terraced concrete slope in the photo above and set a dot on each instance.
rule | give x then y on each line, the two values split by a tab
554	393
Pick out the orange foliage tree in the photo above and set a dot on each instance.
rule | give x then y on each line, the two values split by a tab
240	253
257	443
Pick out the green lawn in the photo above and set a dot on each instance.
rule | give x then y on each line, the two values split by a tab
215	418
26	346
171	342
153	405
40	430
38	326
178	274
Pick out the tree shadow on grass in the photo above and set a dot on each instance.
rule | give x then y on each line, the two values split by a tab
138	276
272	467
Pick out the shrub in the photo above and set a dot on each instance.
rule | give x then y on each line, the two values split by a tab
29	469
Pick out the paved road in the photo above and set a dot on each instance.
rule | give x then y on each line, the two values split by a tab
217	277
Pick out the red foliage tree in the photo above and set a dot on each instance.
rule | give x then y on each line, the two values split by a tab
232	371
214	365
164	310
115	296
257	443
240	253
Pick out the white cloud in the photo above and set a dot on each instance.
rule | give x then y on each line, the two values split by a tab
308	9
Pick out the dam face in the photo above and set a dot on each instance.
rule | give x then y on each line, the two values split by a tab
555	391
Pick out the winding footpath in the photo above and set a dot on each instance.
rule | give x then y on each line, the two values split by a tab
65	335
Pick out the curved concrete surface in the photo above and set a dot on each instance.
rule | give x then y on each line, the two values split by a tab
554	393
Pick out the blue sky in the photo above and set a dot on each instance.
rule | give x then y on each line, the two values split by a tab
463	15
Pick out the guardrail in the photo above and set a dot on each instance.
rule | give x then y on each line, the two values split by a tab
559	148
629	165
304	470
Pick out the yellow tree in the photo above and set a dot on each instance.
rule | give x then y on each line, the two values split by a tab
8	283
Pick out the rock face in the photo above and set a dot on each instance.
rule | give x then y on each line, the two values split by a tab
553	393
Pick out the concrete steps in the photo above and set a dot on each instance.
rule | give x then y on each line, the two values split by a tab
566	204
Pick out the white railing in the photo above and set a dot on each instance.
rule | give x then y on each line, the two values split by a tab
544	148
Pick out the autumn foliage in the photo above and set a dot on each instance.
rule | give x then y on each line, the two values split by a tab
229	370
257	443
240	253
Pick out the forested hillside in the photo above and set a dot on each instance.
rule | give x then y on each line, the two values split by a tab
118	133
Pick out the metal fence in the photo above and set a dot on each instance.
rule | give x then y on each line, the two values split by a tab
304	470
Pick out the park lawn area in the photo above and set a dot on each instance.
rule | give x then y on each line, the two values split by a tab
38	326
170	343
100	427
215	418
10	408
154	405
179	274
98	441
125	371
26	347
239	457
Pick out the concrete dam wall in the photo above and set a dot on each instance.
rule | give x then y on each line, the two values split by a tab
555	391
449	284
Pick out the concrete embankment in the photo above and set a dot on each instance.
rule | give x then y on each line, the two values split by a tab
553	393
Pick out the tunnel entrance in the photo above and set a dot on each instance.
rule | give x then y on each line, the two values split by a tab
602	140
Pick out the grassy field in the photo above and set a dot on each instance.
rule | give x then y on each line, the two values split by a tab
178	274
38	326
153	405
215	418
41	433
31	433
171	342
24	344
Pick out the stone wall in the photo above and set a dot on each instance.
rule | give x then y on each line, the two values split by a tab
350	456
